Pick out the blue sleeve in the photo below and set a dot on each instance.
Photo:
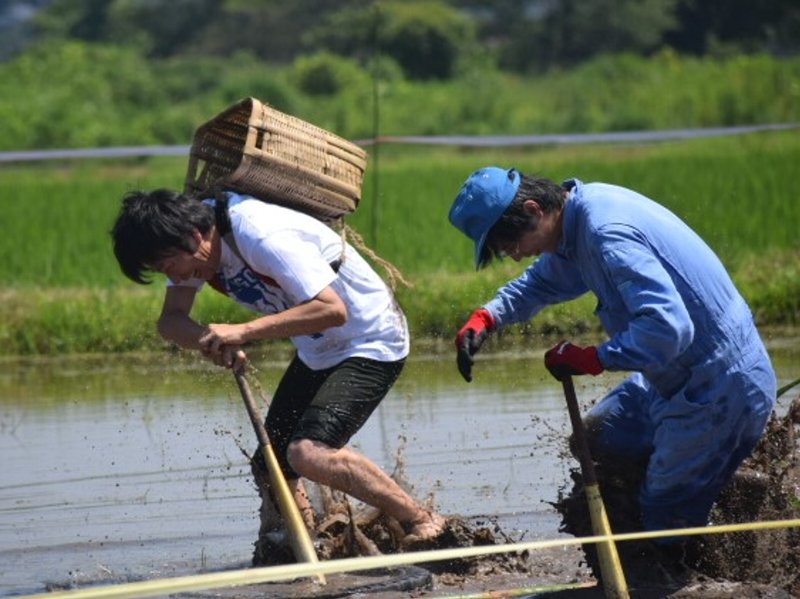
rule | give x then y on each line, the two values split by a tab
549	280
659	327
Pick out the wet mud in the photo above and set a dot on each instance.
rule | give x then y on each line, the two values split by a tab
761	563
344	530
758	563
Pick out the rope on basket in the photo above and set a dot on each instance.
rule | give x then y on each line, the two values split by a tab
392	272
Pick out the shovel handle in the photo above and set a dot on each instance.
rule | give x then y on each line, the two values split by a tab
614	583
299	539
579	433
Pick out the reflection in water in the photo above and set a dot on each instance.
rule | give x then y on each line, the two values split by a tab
123	470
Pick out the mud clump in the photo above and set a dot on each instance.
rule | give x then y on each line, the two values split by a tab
766	487
757	563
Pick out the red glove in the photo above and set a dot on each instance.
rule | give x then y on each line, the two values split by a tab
566	359
470	338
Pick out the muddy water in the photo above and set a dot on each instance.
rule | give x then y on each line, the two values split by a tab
123	469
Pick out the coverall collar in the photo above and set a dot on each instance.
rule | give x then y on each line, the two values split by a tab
566	246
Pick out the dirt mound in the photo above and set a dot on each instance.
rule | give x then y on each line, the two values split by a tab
759	563
766	487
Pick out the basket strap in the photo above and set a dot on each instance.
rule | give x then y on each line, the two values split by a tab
223	224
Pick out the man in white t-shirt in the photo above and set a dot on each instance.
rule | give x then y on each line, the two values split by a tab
351	336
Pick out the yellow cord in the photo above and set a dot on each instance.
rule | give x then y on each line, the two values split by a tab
182	584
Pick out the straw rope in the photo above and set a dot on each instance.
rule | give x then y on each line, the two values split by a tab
165	586
392	272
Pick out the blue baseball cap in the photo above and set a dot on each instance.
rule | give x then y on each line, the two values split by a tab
481	202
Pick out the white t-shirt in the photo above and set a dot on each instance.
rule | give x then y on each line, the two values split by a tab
294	252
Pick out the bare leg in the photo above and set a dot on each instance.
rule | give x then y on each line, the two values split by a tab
298	490
350	472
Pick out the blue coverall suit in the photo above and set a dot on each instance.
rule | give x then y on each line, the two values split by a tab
703	385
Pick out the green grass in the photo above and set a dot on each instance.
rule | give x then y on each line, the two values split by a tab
731	190
58	216
62	290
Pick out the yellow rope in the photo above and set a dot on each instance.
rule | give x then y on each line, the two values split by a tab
182	584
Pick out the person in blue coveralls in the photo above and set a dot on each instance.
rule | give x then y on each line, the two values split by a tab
702	386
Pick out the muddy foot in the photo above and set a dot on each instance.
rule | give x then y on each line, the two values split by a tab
425	531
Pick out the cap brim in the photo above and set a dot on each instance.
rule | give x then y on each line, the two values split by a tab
479	245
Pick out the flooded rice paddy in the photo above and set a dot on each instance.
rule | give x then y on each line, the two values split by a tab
131	468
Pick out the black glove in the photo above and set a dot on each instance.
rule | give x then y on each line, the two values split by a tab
469	340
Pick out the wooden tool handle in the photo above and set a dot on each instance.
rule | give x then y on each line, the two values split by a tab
299	539
614	583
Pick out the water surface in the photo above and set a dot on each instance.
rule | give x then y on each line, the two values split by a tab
129	468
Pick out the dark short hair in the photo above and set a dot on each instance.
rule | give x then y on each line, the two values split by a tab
513	223
152	224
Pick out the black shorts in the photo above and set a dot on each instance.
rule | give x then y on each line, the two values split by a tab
328	405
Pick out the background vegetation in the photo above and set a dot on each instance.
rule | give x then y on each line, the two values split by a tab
135	72
139	72
62	290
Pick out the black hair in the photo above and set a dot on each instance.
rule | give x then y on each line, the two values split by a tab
513	223
152	224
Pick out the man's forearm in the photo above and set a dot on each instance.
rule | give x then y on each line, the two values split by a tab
181	329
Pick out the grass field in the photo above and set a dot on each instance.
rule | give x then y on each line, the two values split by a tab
62	290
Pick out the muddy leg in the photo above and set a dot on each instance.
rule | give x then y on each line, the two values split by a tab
303	503
350	472
272	546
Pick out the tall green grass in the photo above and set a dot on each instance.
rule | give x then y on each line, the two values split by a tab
733	191
62	290
57	217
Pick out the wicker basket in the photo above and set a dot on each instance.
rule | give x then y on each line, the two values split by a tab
254	149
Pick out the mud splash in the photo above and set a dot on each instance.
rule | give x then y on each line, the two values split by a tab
343	530
755	563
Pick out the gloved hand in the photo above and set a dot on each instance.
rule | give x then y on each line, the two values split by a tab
566	359
470	338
